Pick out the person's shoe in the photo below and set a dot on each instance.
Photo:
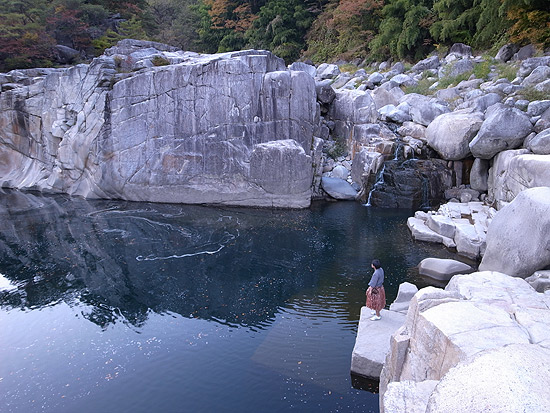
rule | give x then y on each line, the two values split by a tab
373	312
375	317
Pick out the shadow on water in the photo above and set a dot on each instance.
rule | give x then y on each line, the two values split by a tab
231	265
363	383
170	297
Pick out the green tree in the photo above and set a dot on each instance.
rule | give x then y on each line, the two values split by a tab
404	30
281	27
456	20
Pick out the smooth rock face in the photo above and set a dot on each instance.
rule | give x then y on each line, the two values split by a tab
540	143
450	134
424	110
404	295
442	269
446	329
515	171
184	132
517	239
504	128
511	379
373	342
338	188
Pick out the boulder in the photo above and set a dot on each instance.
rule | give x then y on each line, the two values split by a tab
538	107
528	65
479	175
442	269
538	75
350	108
525	52
517	239
504	128
340	172
510	379
404	80
413	130
431	62
382	98
325	92
498	192
525	171
281	168
450	133
421	232
458	68
303	67
461	49
424	109
327	71
540	280
506	52
448	329
441	224
469	241
338	188
65	55
375	78
481	103
404	295
393	114
540	143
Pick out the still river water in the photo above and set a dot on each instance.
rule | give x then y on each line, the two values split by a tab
109	306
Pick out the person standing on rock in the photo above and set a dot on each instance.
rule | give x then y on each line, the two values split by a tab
376	296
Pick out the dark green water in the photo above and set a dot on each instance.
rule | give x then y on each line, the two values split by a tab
133	307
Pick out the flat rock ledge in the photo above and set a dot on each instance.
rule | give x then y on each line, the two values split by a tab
373	342
456	225
482	341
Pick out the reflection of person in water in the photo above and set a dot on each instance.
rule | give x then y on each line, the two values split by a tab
376	296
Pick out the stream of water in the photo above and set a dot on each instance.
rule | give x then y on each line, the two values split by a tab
110	306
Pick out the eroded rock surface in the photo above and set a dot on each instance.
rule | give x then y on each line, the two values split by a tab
183	132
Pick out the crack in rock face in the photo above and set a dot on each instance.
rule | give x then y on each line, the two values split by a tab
190	132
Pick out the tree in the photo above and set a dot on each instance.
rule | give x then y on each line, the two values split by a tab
530	21
24	41
404	30
456	21
281	27
344	29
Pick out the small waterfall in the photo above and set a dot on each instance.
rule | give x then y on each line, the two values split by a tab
377	183
398	147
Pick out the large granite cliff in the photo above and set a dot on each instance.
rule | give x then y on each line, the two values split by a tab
233	128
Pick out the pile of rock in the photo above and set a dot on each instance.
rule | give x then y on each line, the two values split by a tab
474	124
483	333
456	225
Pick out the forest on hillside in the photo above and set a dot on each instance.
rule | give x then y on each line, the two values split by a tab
320	30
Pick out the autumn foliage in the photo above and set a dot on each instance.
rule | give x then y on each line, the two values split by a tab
321	30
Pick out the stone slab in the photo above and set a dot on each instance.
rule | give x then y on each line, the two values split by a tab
373	342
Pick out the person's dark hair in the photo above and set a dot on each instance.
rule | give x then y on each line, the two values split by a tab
376	263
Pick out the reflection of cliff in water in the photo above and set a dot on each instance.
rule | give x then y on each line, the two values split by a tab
126	259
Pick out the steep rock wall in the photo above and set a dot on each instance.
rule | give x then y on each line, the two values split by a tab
183	132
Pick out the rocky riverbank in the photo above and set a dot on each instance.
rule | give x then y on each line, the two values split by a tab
147	122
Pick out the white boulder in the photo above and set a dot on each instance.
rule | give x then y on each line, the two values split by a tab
517	240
